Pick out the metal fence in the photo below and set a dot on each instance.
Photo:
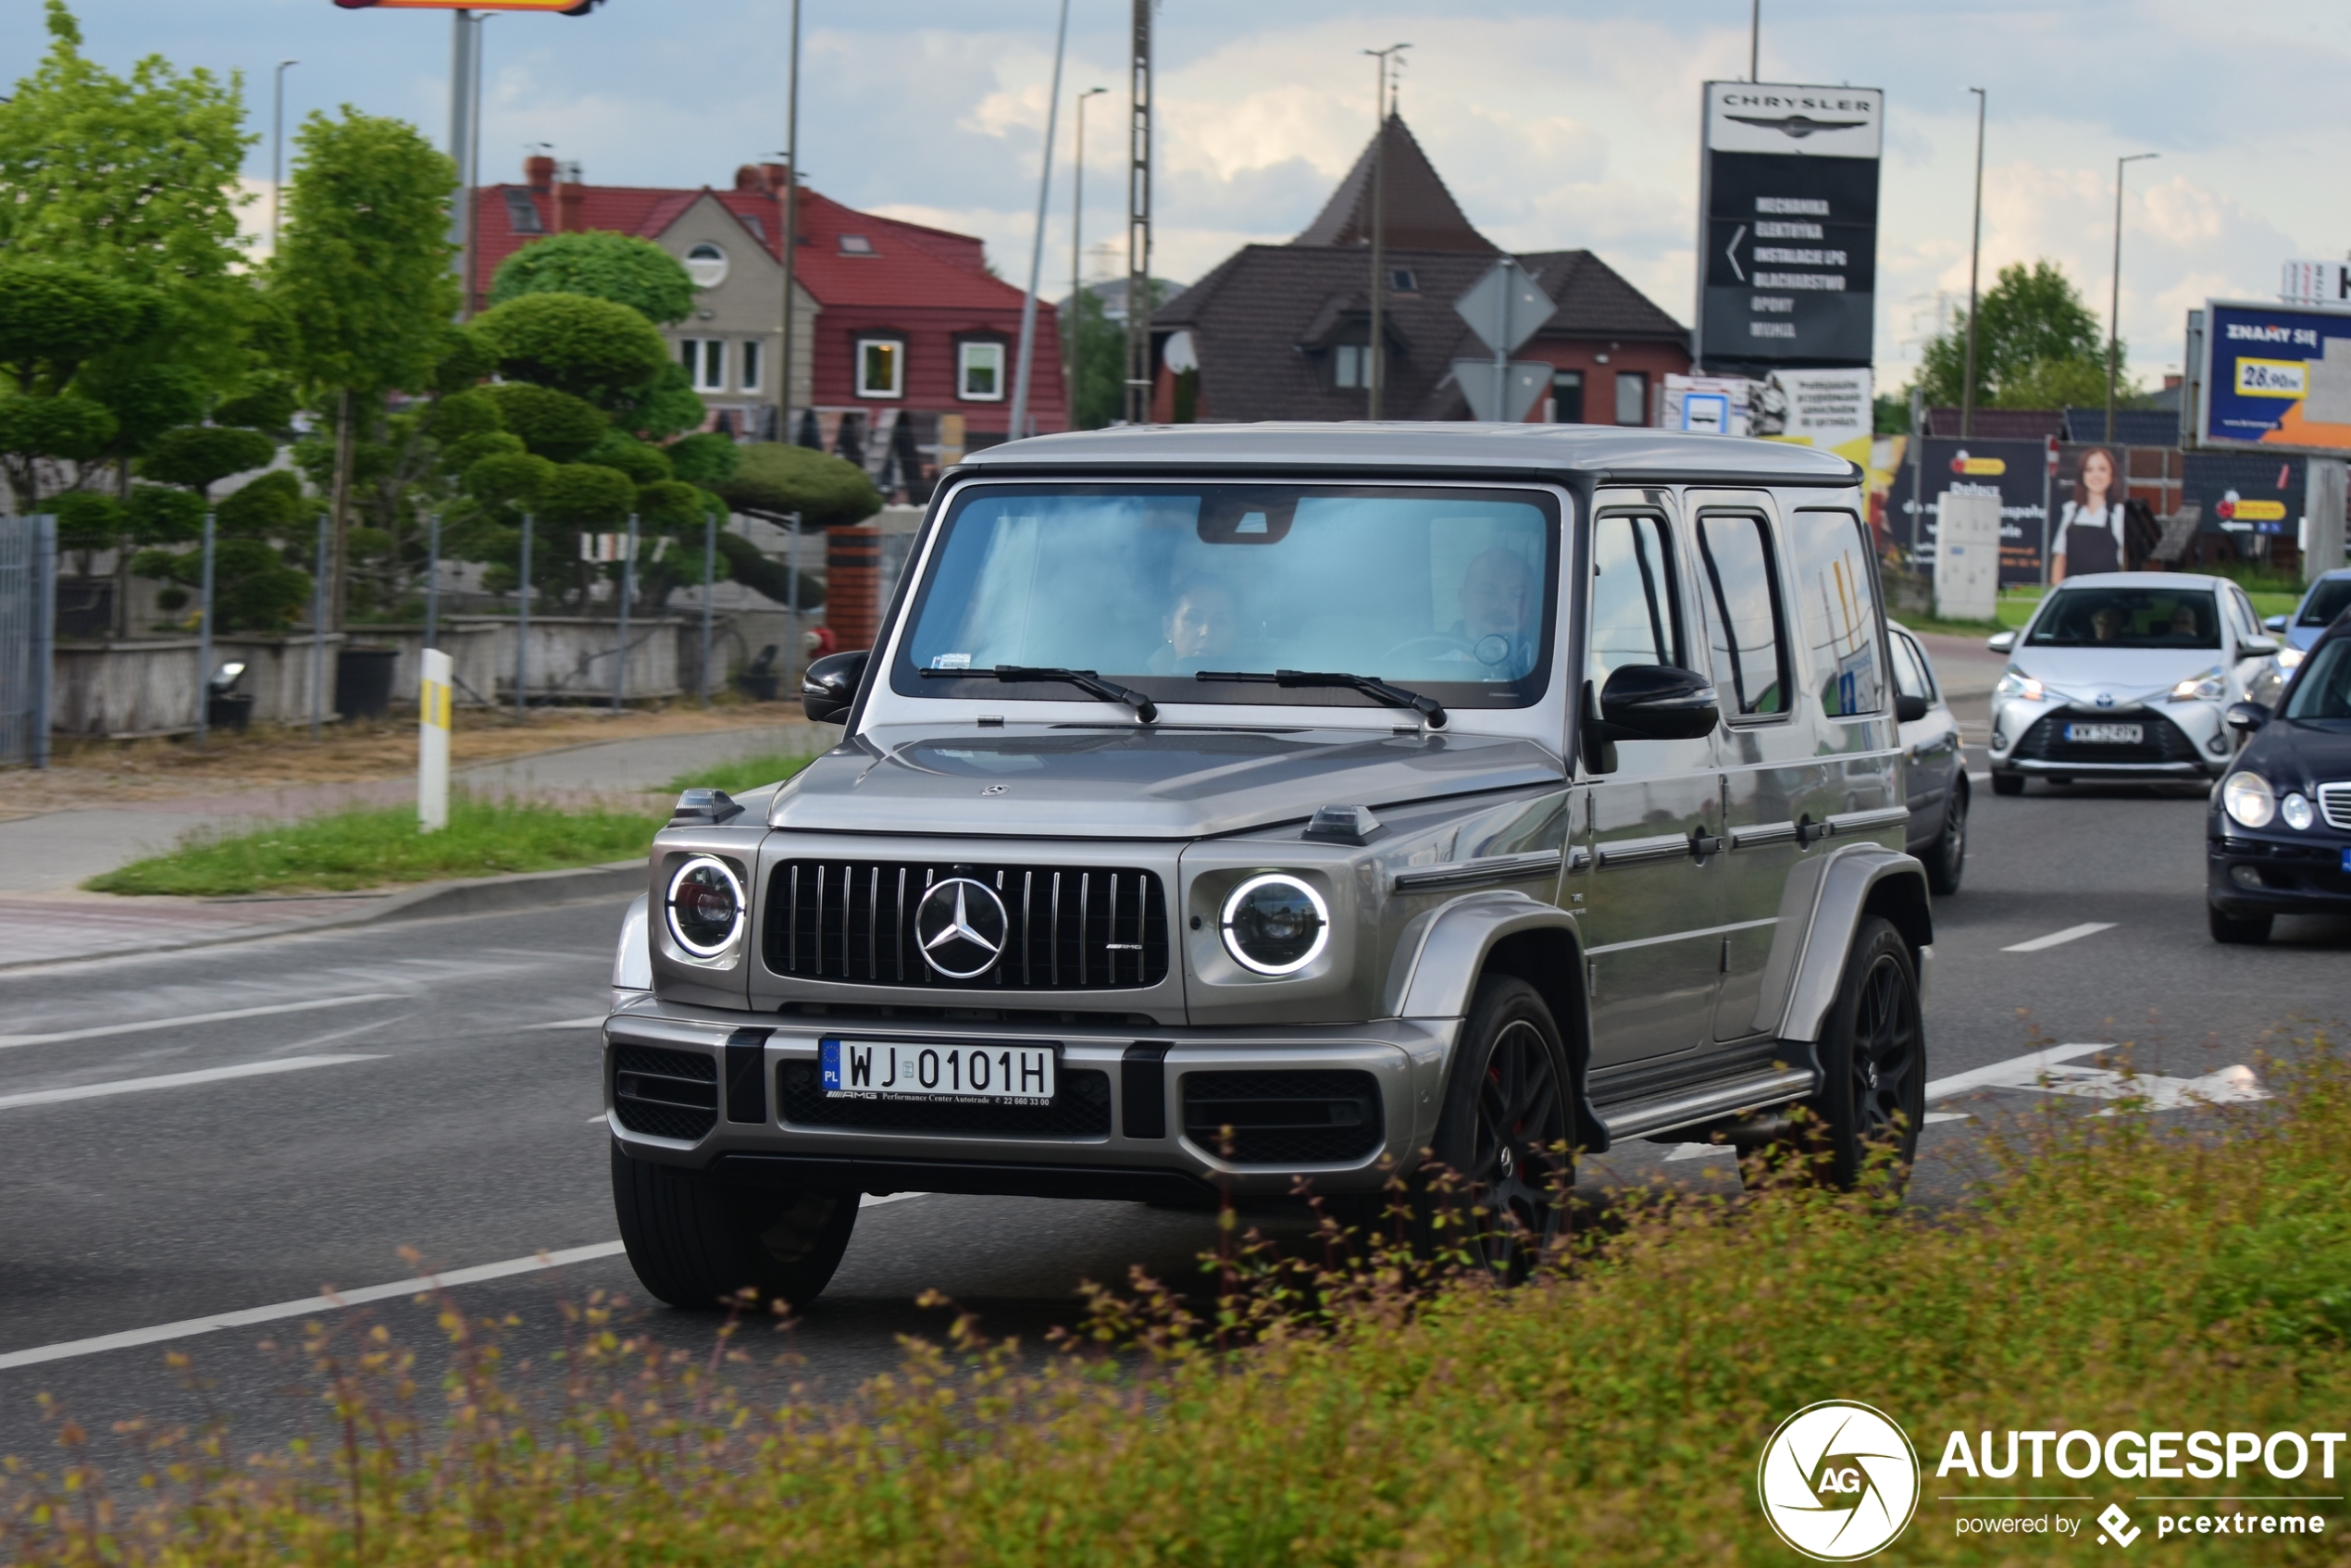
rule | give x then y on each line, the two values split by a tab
28	633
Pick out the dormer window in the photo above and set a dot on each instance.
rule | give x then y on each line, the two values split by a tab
856	245
1401	279
706	265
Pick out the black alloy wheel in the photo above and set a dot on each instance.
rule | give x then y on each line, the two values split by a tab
1946	857
1498	1189
2007	783
2247	930
694	1241
1872	1057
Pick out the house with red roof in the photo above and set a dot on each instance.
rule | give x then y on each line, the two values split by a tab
893	322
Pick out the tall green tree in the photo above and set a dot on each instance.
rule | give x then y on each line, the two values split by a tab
2038	346
361	288
619	267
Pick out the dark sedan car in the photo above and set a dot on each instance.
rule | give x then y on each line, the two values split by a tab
2279	834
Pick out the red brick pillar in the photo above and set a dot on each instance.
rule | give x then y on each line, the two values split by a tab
852	582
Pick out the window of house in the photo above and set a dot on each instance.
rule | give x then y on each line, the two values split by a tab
856	245
1838	592
1745	632
705	362
1632	397
1401	279
881	367
522	213
1567	397
979	372
750	365
1351	364
706	265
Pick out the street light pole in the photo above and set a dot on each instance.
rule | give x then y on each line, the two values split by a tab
1076	238
1027	351
277	152
1374	364
1755	41
1974	262
791	242
2114	296
461	131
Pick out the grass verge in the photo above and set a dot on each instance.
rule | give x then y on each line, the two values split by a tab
745	773
2186	1274
372	847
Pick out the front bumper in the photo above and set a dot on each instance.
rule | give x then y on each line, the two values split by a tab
2277	874
2186	742
749	1132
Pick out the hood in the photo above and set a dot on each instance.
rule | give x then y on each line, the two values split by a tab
2128	674
1134	783
2296	755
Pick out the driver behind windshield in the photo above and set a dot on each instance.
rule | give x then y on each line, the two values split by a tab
1198	630
1501	613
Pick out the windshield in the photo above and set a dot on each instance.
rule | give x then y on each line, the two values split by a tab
2324	690
1447	592
2327	601
2128	617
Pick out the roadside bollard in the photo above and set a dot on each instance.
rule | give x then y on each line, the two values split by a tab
432	743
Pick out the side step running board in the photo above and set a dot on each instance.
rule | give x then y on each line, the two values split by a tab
1706	1103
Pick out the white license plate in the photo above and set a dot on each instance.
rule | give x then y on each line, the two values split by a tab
945	1074
2105	734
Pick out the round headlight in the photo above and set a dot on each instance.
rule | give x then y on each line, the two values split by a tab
1275	925
2249	799
2297	811
705	906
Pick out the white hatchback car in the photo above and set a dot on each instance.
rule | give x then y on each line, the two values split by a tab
2126	677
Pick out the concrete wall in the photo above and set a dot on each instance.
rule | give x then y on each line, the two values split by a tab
120	690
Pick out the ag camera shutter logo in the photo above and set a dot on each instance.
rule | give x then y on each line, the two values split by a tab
1838	1481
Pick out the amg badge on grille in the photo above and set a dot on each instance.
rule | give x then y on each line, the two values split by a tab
962	928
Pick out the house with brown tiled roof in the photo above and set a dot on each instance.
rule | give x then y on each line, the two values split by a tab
1284	332
893	320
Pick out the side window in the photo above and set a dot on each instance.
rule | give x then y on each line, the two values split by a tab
1838	598
1637	615
1910	677
1745	628
2248	624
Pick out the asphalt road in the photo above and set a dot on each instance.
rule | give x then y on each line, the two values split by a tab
441	1101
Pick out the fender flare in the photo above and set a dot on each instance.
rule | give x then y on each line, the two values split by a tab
632	960
1443	953
1849	884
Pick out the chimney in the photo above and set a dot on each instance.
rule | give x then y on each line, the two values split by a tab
2170	384
539	173
775	174
571	200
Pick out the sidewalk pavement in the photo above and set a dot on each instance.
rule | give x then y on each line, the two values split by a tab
44	859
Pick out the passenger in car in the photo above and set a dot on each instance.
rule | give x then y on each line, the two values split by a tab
1498	603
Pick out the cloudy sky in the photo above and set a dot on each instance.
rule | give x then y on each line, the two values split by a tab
1573	123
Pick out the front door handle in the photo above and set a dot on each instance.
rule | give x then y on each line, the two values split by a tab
1701	845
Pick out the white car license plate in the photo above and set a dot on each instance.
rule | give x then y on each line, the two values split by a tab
946	1074
2105	734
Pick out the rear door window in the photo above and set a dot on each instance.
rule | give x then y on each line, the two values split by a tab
1836	593
1636	614
1746	627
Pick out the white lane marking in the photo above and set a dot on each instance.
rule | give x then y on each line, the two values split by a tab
189	1327
2152	1092
2017	1072
1983	778
176	1080
595	1023
2058	939
871	1201
1935	1117
597	1120
188	1020
1700	1150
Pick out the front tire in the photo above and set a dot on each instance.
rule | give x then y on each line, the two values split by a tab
696	1242
1872	1057
1500	1192
1946	857
2247	930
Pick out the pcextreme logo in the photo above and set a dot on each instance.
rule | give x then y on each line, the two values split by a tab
1838	1481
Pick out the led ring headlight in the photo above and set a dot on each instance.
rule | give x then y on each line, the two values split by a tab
705	906
1275	925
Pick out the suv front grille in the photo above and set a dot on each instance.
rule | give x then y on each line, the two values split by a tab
1080	1110
2161	740
1070	928
664	1093
1279	1118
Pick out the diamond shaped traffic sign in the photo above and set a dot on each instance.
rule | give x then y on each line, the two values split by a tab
1505	307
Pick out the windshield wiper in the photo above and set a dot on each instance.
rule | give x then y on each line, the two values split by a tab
1379	691
1084	680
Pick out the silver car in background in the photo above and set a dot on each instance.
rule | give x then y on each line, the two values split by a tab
1933	764
2126	677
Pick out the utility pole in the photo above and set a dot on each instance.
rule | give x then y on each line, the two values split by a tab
1755	41
1138	219
2114	297
1019	426
791	243
1076	238
464	42
1975	261
1375	356
277	152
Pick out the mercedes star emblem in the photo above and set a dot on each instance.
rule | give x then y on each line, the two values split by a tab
961	926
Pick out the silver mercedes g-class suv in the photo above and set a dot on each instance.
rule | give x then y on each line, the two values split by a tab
1245	807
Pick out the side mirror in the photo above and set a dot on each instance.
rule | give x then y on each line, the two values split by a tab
2247	717
2276	624
1658	702
2258	647
2001	642
830	686
1908	709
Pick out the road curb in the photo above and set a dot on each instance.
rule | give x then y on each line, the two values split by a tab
427	900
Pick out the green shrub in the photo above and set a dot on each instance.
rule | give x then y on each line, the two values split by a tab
773	481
